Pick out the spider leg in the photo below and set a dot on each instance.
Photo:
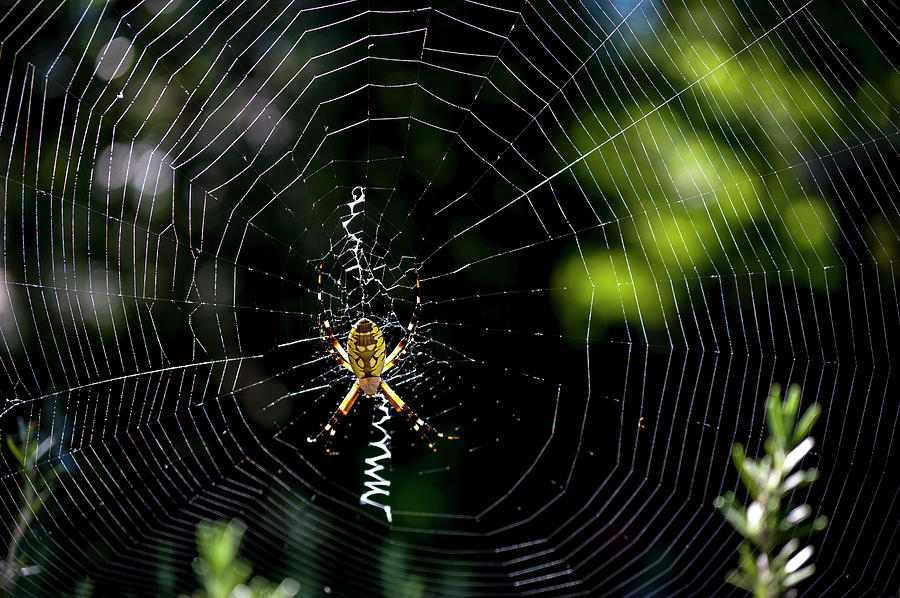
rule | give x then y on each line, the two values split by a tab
342	410
419	425
402	347
334	346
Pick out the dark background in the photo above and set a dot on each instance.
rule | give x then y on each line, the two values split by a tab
597	331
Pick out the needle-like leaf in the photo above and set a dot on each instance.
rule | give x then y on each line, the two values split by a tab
807	422
795	456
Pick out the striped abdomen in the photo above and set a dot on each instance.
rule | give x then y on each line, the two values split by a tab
365	348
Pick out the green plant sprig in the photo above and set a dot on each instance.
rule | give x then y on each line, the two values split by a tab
222	573
28	450
771	559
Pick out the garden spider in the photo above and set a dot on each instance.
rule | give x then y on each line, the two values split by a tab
365	357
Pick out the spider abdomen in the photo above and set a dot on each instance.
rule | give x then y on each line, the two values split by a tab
365	347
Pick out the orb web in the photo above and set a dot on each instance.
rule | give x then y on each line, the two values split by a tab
628	218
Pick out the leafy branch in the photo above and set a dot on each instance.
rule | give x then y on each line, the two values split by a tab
27	449
771	560
222	574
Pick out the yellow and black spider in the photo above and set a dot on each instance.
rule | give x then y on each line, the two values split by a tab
365	357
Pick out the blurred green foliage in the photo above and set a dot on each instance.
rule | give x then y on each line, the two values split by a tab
29	450
222	574
84	588
771	558
712	178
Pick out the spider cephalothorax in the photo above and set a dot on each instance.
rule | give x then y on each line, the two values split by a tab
365	357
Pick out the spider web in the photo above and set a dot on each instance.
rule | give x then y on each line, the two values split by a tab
629	219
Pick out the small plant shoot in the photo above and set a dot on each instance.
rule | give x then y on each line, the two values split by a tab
772	558
222	573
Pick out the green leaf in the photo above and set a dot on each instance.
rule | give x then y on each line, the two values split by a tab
14	449
746	468
736	578
775	417
736	518
798	576
260	588
738	455
807	422
799	560
793	458
796	516
746	559
790	547
789	409
84	588
799	531
799	480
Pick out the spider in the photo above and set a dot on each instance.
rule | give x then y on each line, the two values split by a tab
365	357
